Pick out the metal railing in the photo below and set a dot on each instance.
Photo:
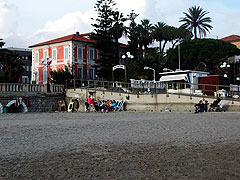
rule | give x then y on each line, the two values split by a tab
180	88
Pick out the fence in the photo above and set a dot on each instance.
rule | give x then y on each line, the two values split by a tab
145	87
14	87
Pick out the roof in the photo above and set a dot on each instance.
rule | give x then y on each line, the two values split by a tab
182	72
176	77
72	37
232	38
18	49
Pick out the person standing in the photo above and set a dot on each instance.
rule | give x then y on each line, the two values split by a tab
90	103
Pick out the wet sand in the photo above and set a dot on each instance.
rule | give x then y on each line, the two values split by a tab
121	145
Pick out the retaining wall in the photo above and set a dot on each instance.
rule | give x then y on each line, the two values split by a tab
147	102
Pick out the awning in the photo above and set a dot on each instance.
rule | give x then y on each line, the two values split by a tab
177	77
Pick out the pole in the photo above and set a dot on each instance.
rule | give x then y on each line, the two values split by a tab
179	58
234	80
126	73
112	75
154	80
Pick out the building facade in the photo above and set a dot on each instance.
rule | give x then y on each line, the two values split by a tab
234	70
76	51
25	56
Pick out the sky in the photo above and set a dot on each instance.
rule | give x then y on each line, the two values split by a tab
27	22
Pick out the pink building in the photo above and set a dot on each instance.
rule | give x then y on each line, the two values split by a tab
76	50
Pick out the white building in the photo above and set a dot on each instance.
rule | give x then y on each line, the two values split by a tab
182	81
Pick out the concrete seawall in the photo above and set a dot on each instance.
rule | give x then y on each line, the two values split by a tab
148	102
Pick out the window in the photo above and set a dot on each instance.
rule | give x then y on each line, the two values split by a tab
79	72
169	85
66	52
54	54
91	54
36	77
45	54
25	79
36	57
45	77
90	74
182	85
80	53
83	73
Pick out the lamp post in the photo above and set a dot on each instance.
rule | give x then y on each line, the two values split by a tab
125	58
146	68
179	57
46	62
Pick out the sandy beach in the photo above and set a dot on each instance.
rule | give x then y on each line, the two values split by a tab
120	145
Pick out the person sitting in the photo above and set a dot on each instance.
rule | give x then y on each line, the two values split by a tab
113	105
98	105
199	107
206	106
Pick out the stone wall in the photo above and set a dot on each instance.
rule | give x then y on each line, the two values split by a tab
39	102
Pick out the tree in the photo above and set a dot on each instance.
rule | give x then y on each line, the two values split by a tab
158	34
133	34
12	66
146	29
60	76
118	30
195	20
103	34
206	53
1	43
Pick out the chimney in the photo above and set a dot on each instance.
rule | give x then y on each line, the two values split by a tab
77	33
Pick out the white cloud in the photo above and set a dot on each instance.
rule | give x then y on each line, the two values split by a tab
224	18
68	24
8	20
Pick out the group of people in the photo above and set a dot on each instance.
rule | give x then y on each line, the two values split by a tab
217	106
102	106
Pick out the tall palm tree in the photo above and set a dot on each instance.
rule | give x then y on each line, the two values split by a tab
146	29
195	20
118	30
158	33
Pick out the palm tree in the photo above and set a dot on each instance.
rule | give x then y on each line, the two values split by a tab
158	33
146	29
195	20
118	30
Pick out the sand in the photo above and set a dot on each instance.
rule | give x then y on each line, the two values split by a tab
120	145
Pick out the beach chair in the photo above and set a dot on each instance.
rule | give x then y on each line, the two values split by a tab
120	107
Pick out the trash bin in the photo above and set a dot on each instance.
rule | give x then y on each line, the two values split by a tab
5	110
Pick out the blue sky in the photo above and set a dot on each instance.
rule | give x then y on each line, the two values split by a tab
26	22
